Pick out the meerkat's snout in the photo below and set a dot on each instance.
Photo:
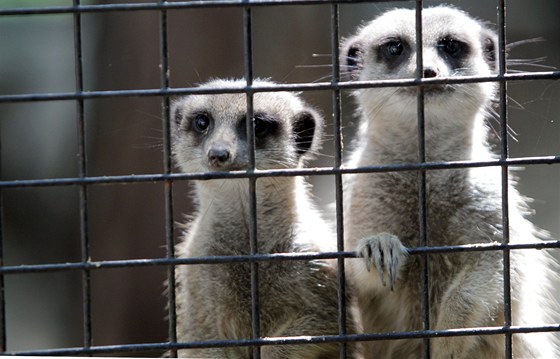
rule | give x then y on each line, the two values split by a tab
218	155
221	154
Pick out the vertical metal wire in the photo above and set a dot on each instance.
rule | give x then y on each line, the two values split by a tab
504	153
248	59
422	207
3	334
338	177
82	172
168	186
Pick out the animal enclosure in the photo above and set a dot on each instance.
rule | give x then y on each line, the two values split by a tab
90	199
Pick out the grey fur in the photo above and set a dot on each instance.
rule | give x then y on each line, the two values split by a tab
463	205
297	298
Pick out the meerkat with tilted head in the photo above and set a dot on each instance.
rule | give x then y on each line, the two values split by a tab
464	206
296	297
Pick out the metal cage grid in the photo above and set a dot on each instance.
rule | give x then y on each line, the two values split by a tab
335	86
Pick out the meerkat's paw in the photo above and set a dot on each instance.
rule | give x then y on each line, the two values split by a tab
386	252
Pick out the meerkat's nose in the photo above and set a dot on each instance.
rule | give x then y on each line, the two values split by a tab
430	72
218	155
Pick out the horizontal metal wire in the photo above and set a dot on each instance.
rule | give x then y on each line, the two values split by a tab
173	6
320	86
93	265
316	171
293	340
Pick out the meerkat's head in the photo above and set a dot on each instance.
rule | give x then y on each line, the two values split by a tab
209	131
454	44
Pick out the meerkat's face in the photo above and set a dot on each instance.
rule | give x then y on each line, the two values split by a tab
209	131
454	44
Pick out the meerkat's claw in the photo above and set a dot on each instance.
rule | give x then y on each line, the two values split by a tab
365	251
378	260
394	270
384	250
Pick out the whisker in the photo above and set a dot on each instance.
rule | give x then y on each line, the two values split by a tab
529	63
517	103
149	146
494	118
313	66
514	44
326	77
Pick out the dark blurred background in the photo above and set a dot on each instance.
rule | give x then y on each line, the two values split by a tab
124	136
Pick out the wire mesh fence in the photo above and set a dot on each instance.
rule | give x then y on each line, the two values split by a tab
86	184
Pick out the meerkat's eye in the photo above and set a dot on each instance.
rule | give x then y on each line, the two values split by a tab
451	46
392	48
264	125
392	52
201	122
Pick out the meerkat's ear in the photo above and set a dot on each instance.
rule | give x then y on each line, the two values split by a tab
175	114
489	43
351	60
308	128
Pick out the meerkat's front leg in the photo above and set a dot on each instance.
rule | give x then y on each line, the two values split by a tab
472	300
386	252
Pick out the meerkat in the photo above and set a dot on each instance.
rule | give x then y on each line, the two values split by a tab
464	206
297	297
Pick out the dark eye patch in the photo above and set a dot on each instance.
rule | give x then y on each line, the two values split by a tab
265	126
454	51
393	51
